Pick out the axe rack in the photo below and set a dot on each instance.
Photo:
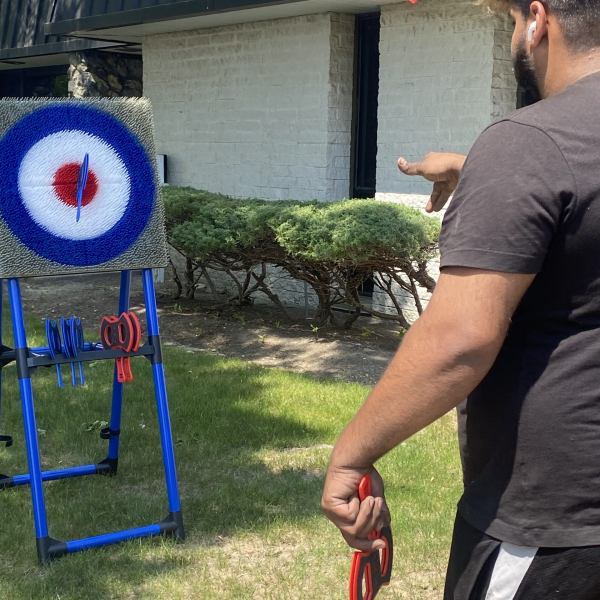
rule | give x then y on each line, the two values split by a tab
28	359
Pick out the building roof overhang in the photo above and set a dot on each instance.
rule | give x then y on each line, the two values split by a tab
77	17
59	47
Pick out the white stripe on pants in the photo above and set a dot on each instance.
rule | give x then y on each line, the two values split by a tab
510	569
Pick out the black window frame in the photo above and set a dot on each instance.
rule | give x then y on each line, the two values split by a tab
363	165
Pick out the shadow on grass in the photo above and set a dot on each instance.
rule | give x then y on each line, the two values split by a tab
224	415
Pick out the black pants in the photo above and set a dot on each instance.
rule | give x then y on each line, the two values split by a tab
480	566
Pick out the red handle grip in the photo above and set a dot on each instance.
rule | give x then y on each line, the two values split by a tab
364	488
371	571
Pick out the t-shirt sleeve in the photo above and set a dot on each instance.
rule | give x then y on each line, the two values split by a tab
512	194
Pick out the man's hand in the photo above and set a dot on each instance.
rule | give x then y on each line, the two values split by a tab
443	168
355	519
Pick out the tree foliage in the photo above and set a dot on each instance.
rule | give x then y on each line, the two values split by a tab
333	246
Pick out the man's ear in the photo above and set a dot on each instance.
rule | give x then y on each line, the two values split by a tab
540	31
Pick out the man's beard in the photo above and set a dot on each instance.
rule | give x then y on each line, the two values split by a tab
525	74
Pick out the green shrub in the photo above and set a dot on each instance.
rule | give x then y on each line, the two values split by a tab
357	231
334	246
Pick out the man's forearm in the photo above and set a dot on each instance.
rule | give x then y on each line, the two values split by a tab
443	358
432	373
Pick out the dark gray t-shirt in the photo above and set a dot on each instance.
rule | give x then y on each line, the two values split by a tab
528	201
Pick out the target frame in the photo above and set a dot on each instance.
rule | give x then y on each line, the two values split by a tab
136	240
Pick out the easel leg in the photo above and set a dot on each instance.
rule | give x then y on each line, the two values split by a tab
4	439
1	286
117	398
1	307
162	405
31	439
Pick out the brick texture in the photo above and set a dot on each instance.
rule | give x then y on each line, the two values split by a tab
259	109
504	86
445	75
264	109
339	124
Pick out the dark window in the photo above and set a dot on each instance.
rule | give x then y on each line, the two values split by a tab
11	84
366	92
34	83
367	288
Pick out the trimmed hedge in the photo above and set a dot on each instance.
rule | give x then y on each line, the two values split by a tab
334	246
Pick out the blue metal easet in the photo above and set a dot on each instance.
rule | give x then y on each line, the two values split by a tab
27	359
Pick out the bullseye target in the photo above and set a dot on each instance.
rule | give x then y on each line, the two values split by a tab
59	221
47	183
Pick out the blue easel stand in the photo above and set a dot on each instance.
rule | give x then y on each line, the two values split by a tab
1	292
4	439
28	359
113	432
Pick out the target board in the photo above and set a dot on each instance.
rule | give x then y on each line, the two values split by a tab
57	219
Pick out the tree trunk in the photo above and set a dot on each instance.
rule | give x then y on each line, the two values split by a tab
352	318
324	315
264	288
190	286
210	283
176	280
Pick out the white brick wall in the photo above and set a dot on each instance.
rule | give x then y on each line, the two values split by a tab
339	125
259	109
504	86
445	73
264	109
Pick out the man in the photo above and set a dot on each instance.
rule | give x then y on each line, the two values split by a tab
514	324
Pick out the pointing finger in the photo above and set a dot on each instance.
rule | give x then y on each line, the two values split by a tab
409	168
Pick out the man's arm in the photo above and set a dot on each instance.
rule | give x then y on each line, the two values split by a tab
443	357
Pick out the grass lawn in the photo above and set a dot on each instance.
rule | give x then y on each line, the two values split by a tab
252	445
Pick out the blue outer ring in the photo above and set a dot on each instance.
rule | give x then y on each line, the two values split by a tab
81	253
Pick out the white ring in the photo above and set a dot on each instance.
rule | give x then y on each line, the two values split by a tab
36	177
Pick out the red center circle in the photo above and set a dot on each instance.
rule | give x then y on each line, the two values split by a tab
65	185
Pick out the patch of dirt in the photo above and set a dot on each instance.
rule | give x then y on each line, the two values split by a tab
257	333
